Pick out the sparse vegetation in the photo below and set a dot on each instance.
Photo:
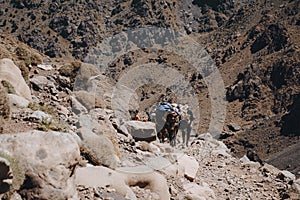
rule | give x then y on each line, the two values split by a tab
46	124
9	88
17	172
4	104
53	125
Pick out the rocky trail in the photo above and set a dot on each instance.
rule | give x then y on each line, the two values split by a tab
98	158
69	82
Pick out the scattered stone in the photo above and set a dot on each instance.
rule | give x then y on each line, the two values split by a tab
296	186
63	110
244	159
253	156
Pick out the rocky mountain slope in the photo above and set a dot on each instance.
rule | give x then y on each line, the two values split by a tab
253	44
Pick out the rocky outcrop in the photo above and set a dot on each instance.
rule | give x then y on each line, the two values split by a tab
247	85
290	121
275	37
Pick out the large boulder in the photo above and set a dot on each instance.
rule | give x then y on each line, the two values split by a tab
190	165
98	137
49	171
97	176
98	149
10	73
140	131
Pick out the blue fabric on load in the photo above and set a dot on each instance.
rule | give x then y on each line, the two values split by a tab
165	106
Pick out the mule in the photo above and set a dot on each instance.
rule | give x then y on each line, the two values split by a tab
169	129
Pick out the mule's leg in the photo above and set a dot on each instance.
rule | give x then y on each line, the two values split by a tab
175	136
159	135
172	138
188	134
183	135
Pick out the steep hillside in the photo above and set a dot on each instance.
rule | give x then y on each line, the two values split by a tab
254	44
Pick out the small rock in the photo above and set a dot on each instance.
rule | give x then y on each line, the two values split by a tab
234	127
286	176
18	101
63	110
244	159
40	116
45	67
